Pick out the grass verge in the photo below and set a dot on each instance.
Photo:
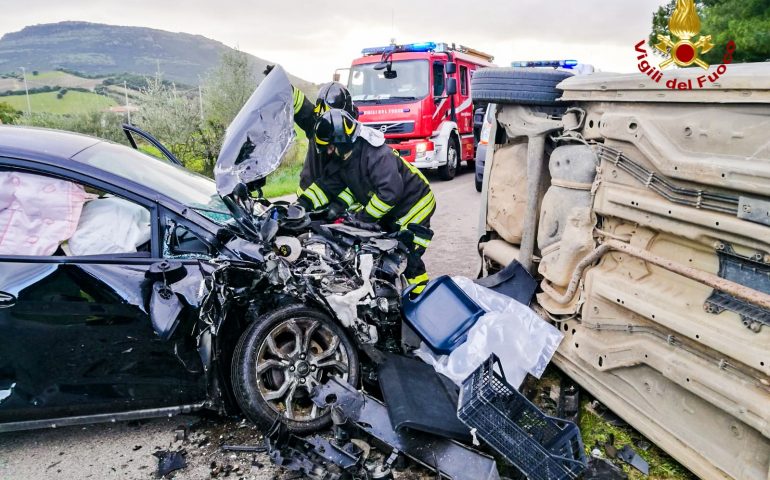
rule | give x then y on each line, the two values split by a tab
72	102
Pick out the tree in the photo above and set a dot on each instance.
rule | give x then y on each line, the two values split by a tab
8	114
227	88
746	22
173	117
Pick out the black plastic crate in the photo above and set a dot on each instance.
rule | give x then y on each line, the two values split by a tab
541	447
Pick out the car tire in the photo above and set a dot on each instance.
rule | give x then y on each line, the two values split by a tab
267	361
522	86
449	169
479	184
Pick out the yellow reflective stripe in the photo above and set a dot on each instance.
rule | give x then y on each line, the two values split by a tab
347	197
423	242
373	211
425	212
348	131
418	279
320	142
310	195
417	208
418	289
319	193
299	192
380	204
299	98
412	168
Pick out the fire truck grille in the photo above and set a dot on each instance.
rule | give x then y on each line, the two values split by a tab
392	127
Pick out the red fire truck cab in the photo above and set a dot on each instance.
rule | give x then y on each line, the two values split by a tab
419	96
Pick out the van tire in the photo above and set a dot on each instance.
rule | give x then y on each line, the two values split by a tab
522	86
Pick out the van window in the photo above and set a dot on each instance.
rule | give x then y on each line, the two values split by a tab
438	79
463	80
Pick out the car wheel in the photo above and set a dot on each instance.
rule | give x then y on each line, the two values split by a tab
479	183
449	169
522	86
280	358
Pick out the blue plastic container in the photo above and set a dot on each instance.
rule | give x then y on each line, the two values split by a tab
442	314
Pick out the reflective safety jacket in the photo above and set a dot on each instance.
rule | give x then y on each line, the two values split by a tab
393	191
304	117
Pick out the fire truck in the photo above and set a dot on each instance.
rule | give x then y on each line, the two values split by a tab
419	96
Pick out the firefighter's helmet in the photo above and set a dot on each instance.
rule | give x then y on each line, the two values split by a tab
336	127
334	95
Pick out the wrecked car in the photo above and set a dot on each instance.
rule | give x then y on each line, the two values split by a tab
643	212
133	288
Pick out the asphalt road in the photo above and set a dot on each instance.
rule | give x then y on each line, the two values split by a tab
124	450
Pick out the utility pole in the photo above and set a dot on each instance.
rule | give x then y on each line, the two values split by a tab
125	92
26	89
200	98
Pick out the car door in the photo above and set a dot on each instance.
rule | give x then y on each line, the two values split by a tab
76	333
144	142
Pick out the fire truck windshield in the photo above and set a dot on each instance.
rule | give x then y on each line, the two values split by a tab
369	85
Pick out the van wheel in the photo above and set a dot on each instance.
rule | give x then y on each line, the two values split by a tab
522	86
280	358
449	169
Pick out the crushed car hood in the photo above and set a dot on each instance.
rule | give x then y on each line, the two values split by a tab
259	136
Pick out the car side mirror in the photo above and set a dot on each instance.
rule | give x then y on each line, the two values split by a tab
450	68
451	86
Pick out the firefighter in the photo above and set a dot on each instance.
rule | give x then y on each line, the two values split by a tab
331	95
395	194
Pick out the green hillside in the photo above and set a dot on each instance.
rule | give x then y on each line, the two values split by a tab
71	102
98	49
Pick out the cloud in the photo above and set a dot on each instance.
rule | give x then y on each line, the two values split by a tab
311	39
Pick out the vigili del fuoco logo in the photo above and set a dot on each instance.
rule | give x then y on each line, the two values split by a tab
684	50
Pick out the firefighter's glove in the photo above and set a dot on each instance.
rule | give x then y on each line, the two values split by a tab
305	203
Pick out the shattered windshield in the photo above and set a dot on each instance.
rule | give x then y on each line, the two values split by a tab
184	186
369	85
259	136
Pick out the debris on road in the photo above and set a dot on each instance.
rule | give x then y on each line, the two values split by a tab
170	461
244	448
418	398
628	455
370	416
315	457
601	469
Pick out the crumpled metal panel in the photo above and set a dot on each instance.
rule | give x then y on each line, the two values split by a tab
453	460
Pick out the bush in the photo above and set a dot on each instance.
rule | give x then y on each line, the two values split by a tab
8	114
98	124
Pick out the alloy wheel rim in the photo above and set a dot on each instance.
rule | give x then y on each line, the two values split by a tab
295	356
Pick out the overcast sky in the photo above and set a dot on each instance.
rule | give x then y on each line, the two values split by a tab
312	38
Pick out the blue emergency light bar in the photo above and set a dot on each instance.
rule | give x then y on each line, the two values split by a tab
410	47
547	63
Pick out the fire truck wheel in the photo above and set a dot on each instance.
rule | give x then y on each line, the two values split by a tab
449	169
522	86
